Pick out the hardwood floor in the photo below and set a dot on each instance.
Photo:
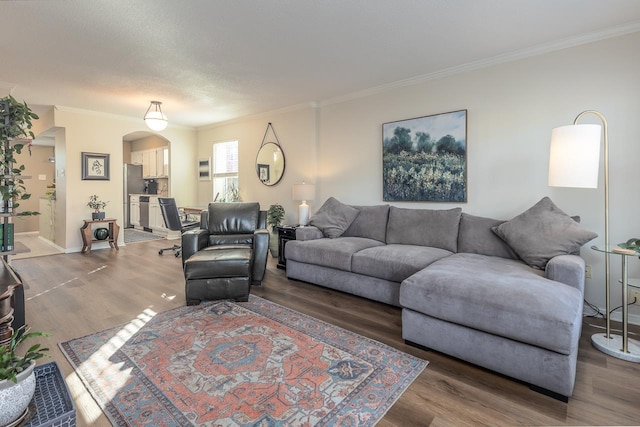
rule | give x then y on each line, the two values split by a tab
73	295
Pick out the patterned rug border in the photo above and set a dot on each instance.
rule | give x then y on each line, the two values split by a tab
257	307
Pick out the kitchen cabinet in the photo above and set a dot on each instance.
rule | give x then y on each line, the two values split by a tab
155	162
136	157
156	220
162	161
134	210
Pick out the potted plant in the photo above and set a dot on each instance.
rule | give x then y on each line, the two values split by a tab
275	215
15	125
17	380
97	205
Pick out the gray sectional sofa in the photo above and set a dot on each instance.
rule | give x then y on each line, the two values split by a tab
505	295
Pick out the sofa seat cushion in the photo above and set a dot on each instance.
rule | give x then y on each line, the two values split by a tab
334	253
395	262
499	296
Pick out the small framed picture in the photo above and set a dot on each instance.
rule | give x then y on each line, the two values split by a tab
263	172
204	169
95	166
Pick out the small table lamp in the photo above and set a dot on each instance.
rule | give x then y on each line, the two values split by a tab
303	192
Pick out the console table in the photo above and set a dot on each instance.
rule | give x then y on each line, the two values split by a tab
285	233
87	233
618	346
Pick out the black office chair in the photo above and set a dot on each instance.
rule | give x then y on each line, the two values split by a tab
174	222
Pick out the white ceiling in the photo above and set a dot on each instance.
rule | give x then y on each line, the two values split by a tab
215	60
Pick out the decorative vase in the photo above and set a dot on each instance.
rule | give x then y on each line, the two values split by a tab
101	233
97	216
273	243
15	397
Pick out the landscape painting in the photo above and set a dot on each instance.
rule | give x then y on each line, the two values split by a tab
425	159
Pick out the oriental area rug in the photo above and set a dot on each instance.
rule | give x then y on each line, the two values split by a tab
254	363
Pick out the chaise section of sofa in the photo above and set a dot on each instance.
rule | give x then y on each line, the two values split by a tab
501	311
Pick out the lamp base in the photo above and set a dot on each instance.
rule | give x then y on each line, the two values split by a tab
613	347
303	214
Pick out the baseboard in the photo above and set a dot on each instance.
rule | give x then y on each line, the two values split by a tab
50	243
634	319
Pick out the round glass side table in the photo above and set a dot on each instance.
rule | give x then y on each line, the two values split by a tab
615	345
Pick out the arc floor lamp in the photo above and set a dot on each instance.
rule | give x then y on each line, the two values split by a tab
574	160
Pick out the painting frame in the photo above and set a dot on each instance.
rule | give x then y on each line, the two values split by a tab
95	166
263	172
424	159
204	169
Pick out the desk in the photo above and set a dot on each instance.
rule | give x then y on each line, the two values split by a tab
87	233
193	210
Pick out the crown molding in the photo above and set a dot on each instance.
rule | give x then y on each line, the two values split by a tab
490	62
115	116
266	114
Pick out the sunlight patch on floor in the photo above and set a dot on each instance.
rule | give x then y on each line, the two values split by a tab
97	269
104	353
52	289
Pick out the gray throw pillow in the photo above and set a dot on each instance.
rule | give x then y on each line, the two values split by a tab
334	217
543	232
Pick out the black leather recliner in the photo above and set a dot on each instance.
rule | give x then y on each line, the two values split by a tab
227	255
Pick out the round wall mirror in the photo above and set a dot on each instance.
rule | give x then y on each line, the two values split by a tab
270	163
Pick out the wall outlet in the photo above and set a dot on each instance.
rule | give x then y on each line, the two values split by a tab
587	271
634	293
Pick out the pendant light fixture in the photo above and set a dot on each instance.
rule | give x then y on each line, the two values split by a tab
154	117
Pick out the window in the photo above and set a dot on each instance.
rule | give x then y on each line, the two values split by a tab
225	171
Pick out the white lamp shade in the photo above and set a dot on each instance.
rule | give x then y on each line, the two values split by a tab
303	191
154	117
574	157
156	120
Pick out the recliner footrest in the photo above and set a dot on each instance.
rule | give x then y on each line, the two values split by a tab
218	274
230	262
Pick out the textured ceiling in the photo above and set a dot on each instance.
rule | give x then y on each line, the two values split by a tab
213	60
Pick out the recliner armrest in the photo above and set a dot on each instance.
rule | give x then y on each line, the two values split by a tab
193	241
260	253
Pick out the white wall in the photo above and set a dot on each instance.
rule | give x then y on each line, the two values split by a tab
86	131
511	109
296	132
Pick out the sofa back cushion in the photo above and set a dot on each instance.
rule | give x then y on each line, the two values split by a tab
476	237
424	227
371	223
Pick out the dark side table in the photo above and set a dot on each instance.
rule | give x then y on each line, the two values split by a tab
285	233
